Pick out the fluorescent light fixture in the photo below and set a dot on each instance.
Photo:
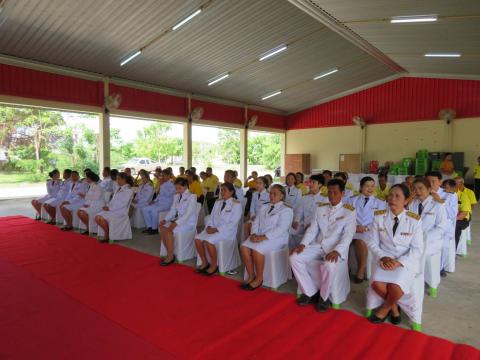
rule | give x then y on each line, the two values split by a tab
449	55
130	57
413	19
268	96
187	19
217	79
273	52
326	73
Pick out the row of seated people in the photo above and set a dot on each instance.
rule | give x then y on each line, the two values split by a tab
324	226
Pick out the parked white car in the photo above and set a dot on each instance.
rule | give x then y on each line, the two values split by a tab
136	164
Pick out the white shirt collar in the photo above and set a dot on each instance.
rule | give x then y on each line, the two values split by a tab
338	206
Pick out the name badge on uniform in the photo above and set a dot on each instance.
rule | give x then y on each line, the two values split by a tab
384	230
429	213
227	211
406	234
339	218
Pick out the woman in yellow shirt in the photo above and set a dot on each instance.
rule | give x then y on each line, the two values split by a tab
381	191
194	186
476	176
300	185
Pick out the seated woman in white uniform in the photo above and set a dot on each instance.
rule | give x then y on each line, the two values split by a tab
117	207
93	202
106	183
365	205
222	225
269	233
53	186
74	200
144	194
182	217
259	198
397	246
306	212
51	204
293	195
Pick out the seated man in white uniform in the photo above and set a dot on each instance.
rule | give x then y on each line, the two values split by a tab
269	233
315	261
107	183
397	246
342	176
161	203
182	217
451	206
144	194
306	212
74	200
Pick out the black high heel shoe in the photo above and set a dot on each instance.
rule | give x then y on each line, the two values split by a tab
376	320
249	287
201	270
166	263
206	273
395	320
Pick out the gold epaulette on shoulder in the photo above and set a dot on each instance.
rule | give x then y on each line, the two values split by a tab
354	195
438	200
380	212
323	204
236	201
349	207
287	205
413	215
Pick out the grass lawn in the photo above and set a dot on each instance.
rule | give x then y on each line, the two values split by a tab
22	178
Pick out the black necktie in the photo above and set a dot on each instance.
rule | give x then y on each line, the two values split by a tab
395	225
73	185
420	209
271	208
366	200
223	206
258	196
288	191
180	198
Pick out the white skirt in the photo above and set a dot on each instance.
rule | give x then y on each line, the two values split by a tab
45	198
54	202
180	228
400	276
363	236
265	246
213	239
74	206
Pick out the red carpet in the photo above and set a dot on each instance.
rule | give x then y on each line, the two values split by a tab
65	296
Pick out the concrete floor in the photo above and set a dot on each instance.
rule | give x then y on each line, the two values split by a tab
453	315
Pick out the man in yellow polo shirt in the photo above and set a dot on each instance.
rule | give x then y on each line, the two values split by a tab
462	189
476	177
327	174
381	191
210	185
252	180
464	213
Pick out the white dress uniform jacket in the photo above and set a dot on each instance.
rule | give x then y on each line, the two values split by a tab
448	250
53	187
434	223
258	200
309	207
293	198
143	196
332	228
183	212
224	220
238	194
365	210
406	246
62	193
119	204
273	221
73	197
107	184
94	199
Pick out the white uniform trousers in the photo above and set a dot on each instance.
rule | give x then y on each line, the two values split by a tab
312	272
448	253
150	215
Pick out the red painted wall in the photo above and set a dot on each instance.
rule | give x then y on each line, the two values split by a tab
268	120
23	82
220	112
405	99
150	102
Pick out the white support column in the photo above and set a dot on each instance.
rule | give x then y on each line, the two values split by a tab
283	151
187	138
243	154
104	133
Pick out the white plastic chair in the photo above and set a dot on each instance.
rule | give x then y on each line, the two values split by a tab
92	224
183	243
121	230
277	270
44	214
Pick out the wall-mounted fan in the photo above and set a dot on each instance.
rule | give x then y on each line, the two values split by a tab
196	114
251	122
447	115
112	102
357	120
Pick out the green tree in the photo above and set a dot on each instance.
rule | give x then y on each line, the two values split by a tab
229	145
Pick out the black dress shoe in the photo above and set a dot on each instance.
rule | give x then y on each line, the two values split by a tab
85	233
51	222
201	270
305	300
249	287
146	231
395	320
443	273
376	320
67	228
166	263
322	305
357	280
153	232
206	273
